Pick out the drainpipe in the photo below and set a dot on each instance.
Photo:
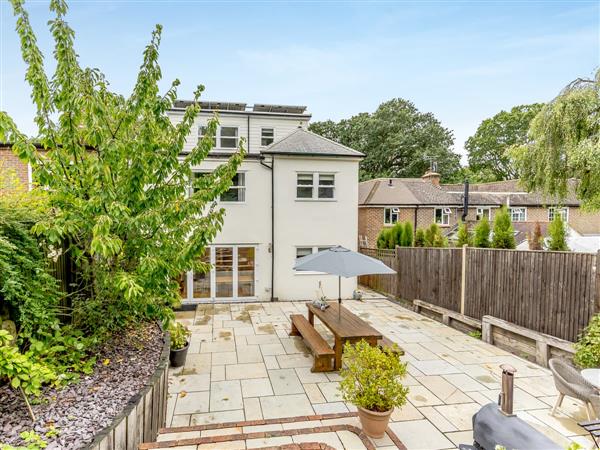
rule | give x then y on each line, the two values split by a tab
465	202
262	162
415	220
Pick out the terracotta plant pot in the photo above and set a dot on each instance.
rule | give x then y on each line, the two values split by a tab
374	423
177	357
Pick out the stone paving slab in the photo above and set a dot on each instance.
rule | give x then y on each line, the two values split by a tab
242	365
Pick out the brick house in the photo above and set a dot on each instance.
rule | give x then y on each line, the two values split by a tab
12	167
423	201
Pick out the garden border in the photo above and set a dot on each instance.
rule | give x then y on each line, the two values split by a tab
144	415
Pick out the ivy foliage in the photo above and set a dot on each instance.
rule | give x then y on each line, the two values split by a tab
118	180
564	145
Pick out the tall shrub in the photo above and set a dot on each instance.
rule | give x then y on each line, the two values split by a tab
398	234
117	187
420	238
587	347
557	235
535	239
481	236
382	238
463	236
504	233
407	236
434	237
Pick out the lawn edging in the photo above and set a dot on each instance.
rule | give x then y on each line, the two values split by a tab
143	416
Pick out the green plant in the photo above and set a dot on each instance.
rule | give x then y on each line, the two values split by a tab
475	334
557	235
420	238
434	238
32	440
463	236
397	233
481	236
587	347
407	235
504	233
383	238
179	335
118	188
371	377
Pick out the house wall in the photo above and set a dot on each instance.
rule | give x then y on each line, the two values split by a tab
313	223
282	127
11	166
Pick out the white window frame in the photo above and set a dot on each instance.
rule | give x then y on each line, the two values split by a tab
393	211
262	136
564	212
481	210
445	215
315	186
217	140
314	249
242	188
516	213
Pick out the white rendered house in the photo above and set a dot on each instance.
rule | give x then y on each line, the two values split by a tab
294	194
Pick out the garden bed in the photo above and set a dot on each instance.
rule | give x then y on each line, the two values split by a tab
79	411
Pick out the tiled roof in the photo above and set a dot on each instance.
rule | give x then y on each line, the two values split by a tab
303	142
415	191
404	191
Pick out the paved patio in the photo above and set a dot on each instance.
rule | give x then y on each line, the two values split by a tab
243	366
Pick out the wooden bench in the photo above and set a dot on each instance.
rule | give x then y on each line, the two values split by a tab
386	343
321	350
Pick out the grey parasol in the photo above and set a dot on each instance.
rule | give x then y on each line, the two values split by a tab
342	262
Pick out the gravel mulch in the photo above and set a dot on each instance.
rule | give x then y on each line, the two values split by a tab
80	410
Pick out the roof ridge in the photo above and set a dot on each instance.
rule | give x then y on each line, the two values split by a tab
283	138
372	191
332	141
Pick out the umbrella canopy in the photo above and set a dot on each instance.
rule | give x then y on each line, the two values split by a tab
342	262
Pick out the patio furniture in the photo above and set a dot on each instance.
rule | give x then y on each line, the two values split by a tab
345	326
592	427
570	382
321	350
592	376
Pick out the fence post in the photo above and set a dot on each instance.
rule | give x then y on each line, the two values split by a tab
463	279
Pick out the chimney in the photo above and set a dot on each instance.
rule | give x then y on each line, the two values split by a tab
432	177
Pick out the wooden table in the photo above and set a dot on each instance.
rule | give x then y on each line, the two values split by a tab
345	326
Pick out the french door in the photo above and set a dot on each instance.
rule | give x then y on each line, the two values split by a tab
232	275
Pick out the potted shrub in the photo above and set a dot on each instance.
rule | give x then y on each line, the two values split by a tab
371	381
179	343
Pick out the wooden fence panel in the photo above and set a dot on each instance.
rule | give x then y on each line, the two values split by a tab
555	293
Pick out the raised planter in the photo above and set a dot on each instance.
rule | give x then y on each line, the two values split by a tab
144	415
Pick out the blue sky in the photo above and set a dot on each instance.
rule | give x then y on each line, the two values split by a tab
463	61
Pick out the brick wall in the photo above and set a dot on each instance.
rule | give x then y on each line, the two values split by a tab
11	165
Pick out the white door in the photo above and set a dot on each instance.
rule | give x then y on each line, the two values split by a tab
232	276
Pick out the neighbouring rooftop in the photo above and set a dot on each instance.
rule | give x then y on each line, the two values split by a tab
303	142
242	366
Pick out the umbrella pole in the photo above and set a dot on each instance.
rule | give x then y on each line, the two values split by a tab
339	297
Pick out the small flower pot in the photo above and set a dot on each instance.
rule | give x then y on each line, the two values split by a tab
177	357
374	423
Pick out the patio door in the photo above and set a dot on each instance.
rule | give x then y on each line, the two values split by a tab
232	276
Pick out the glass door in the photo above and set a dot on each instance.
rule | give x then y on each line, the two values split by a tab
232	275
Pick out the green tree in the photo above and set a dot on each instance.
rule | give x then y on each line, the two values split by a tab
481	236
487	148
398	233
117	189
463	235
383	238
397	139
557	235
504	233
434	237
565	145
407	236
420	238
